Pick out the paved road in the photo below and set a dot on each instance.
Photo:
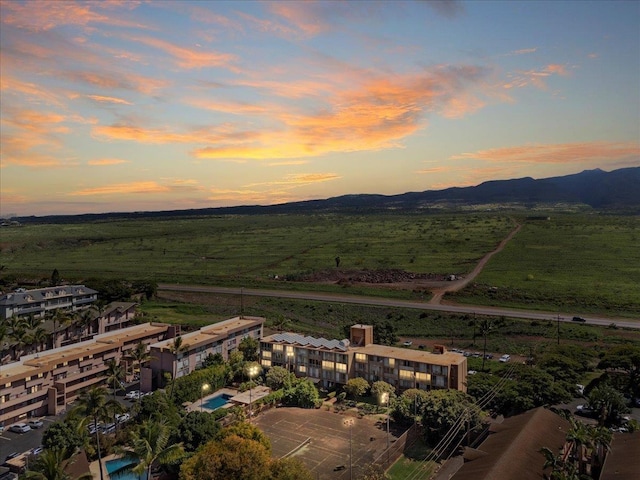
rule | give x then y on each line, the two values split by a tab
389	302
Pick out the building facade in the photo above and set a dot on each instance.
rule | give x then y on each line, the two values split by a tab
38	302
219	338
45	383
332	363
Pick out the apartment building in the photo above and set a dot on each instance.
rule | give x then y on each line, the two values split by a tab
46	382
115	316
222	337
333	362
42	300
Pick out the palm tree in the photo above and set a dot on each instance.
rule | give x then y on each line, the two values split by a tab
148	446
176	348
59	317
38	337
93	405
115	374
51	465
486	326
140	355
601	441
580	438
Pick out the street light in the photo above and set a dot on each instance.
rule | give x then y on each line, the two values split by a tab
348	422
386	398
252	371
205	387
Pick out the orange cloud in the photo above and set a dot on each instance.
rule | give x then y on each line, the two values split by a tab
36	16
303	15
433	170
299	179
123	188
35	93
188	58
102	162
108	81
536	78
105	99
566	153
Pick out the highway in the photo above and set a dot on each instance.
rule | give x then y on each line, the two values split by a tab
389	302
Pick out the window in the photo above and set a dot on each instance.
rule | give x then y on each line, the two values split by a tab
326	365
302	369
266	363
390	362
266	354
406	374
423	377
361	357
277	348
341	367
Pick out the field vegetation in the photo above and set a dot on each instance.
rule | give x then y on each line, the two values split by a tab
578	263
570	262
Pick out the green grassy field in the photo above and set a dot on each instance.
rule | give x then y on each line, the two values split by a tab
250	248
574	263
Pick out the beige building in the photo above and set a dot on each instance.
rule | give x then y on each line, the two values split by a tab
333	362
46	382
218	338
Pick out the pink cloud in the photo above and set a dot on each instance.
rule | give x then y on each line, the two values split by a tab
123	188
102	162
106	99
567	153
536	78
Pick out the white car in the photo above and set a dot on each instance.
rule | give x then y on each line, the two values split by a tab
408	343
20	428
125	417
133	395
505	358
35	423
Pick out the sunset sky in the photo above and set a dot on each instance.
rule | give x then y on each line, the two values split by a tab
126	106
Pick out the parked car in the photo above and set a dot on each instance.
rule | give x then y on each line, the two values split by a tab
11	455
408	343
20	428
124	417
505	358
108	428
586	411
133	395
578	319
35	423
488	356
37	451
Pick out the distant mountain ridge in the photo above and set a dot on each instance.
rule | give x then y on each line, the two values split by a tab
616	190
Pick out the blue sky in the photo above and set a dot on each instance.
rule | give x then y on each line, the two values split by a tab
126	106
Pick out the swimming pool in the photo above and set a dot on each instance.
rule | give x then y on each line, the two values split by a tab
216	402
117	464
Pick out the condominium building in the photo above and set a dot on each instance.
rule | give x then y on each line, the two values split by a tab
46	382
333	362
42	300
218	338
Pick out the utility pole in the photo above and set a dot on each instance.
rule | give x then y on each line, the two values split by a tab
558	329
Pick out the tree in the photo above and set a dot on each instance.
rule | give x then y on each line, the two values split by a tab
486	327
444	409
63	435
195	429
149	446
93	405
51	465
303	394
280	322
626	358
249	348
380	387
279	377
289	469
232	458
409	405
38	337
140	355
248	431
115	374
356	387
176	348
55	278
609	403
159	405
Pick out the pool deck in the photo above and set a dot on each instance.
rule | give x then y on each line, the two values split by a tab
236	398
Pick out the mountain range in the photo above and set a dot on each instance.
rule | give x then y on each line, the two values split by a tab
616	190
